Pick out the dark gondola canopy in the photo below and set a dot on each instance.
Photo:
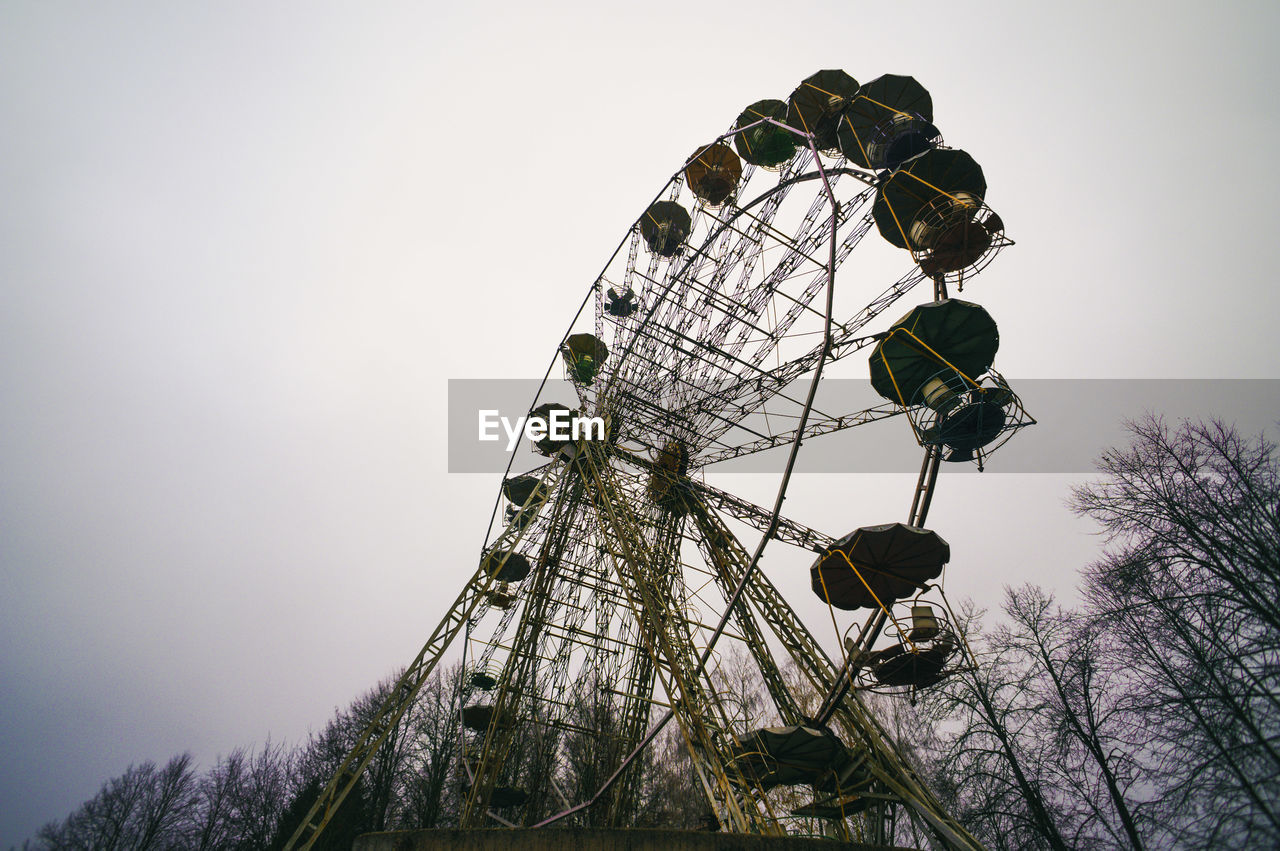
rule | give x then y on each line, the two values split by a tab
875	565
818	103
713	173
940	185
584	354
665	226
506	567
518	489
765	144
932	339
788	756
890	121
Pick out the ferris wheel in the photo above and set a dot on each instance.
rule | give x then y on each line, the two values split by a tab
614	569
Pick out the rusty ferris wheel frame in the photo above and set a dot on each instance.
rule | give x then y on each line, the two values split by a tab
615	565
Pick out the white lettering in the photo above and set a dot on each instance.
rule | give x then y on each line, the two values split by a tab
560	424
488	422
588	428
513	432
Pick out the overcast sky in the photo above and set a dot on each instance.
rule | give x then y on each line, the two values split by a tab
243	247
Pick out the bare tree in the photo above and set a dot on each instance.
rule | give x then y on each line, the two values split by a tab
212	825
592	751
670	794
1083	725
424	795
1189	585
144	808
990	758
410	782
266	783
167	805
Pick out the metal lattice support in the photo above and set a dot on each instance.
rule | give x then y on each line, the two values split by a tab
605	604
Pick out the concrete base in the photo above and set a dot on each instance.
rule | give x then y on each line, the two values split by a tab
576	839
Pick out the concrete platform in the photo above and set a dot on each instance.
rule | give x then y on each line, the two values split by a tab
575	839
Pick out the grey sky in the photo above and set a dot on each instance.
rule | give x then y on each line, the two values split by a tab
244	246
